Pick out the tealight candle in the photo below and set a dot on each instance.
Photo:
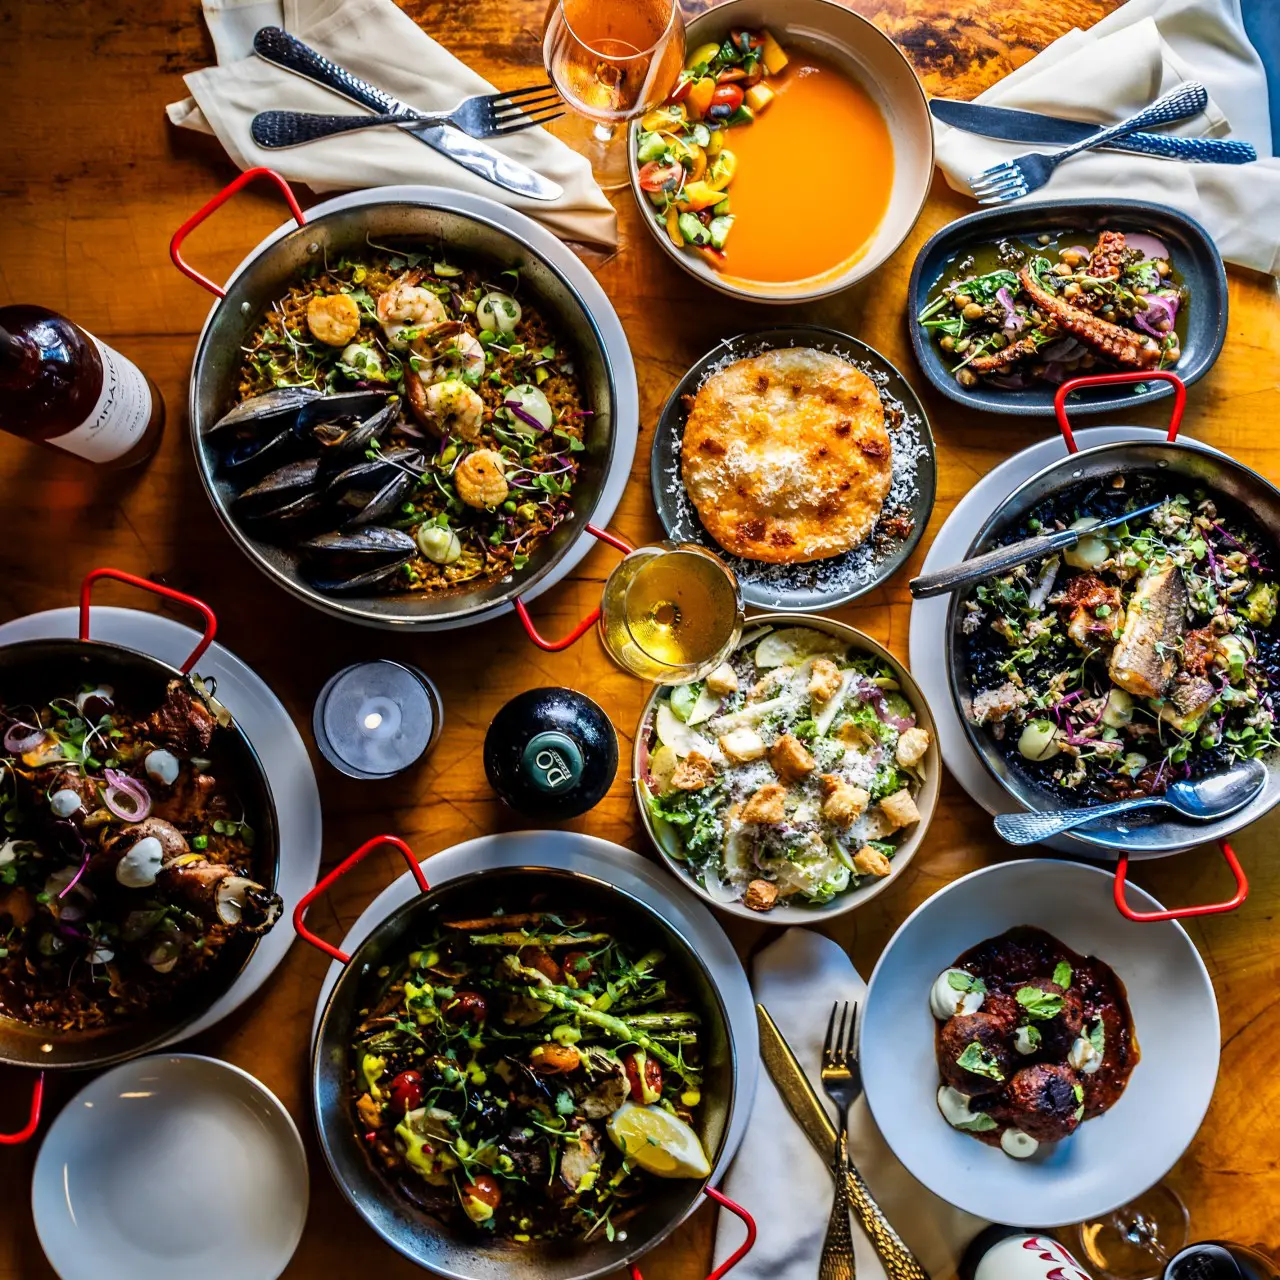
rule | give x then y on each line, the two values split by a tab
375	719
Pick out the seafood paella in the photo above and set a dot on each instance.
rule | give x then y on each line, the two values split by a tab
409	421
125	859
527	1074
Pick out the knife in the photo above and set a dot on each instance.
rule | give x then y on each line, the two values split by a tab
1030	126
955	576
283	50
803	1103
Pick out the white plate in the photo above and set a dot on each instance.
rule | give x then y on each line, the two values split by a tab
173	1167
574	851
268	727
1109	1159
928	633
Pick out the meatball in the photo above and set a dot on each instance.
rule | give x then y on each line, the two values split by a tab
1043	1101
991	1033
1058	1034
998	1005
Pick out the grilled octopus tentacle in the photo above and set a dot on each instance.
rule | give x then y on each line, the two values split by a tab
998	361
1119	345
1109	256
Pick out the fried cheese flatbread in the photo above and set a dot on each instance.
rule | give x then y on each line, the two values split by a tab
785	456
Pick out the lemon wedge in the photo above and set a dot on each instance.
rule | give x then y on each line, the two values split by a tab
660	1143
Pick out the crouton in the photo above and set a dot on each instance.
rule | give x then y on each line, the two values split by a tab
693	773
912	745
742	745
790	759
723	680
842	802
760	895
900	809
870	862
824	680
765	806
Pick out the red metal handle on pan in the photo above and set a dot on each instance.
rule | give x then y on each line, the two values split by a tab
175	245
734	1258
1109	379
210	622
1184	913
27	1132
554	646
300	911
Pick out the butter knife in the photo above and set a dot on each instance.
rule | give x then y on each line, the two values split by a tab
1030	126
803	1103
286	51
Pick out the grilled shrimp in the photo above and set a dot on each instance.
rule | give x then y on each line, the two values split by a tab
333	318
453	406
407	305
447	351
1132	350
480	479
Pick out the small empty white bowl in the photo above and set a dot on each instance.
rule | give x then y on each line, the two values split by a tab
172	1167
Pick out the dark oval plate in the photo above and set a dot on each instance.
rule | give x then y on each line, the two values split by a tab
1190	247
817	584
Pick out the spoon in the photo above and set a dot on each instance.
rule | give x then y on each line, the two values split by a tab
1203	800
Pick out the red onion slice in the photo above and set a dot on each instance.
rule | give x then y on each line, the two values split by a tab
20	737
1148	245
126	797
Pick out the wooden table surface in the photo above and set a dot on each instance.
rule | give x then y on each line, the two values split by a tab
92	183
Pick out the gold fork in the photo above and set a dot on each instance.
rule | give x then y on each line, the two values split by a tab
842	1082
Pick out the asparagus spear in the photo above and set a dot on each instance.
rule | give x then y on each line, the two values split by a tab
537	939
664	1021
650	960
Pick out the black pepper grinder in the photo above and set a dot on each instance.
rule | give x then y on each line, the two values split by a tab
551	753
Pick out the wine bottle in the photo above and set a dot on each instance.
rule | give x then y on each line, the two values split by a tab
1011	1253
61	387
1220	1260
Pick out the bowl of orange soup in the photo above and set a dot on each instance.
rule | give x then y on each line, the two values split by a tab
793	156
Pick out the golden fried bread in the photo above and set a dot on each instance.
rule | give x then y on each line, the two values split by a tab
786	457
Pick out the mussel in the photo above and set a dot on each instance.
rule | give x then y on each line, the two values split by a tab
349	422
373	488
281	488
266	413
351	560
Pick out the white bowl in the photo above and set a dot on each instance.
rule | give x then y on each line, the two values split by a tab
926	800
1109	1159
865	54
173	1167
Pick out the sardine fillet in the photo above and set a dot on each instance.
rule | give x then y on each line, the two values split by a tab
1143	661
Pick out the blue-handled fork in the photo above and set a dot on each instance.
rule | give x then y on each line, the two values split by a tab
1015	178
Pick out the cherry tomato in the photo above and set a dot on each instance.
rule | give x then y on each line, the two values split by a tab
658	175
746	40
727	95
646	1083
578	966
406	1092
681	91
466	1006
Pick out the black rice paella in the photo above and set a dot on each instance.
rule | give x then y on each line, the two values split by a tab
408	421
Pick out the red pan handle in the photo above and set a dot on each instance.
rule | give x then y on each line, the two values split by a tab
210	622
1110	379
1184	913
554	646
300	911
738	1255
27	1132
175	245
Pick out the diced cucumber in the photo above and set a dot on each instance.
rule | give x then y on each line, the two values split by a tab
692	230
743	115
683	699
720	228
651	146
722	208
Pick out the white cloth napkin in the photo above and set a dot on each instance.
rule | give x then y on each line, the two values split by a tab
778	1176
1112	71
379	43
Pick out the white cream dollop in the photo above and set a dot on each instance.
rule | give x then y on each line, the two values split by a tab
1084	1057
954	1106
64	803
162	766
1019	1145
140	866
945	1001
1023	1040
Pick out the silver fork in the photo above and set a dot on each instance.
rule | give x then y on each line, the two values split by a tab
486	115
843	1082
1014	178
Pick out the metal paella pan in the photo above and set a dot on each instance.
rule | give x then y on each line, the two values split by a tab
428	217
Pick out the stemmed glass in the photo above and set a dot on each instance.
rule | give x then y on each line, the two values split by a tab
611	60
1135	1241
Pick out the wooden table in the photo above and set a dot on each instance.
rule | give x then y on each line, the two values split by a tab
93	182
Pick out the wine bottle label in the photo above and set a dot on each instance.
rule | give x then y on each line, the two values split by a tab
118	420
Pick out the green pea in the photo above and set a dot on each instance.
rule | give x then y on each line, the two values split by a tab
509	507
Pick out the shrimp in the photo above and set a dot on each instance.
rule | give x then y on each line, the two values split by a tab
447	351
407	306
450	406
480	479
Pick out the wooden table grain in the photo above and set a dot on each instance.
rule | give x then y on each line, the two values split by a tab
93	182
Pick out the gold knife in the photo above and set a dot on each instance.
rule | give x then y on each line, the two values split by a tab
803	1103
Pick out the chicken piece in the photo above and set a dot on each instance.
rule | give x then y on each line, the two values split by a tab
742	745
183	721
912	744
824	680
996	704
760	895
871	862
790	759
1144	658
1082	599
1122	346
693	773
900	809
723	680
1189	698
766	806
369	1111
842	802
582	1156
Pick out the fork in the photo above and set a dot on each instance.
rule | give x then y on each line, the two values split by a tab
1014	178
486	115
843	1082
